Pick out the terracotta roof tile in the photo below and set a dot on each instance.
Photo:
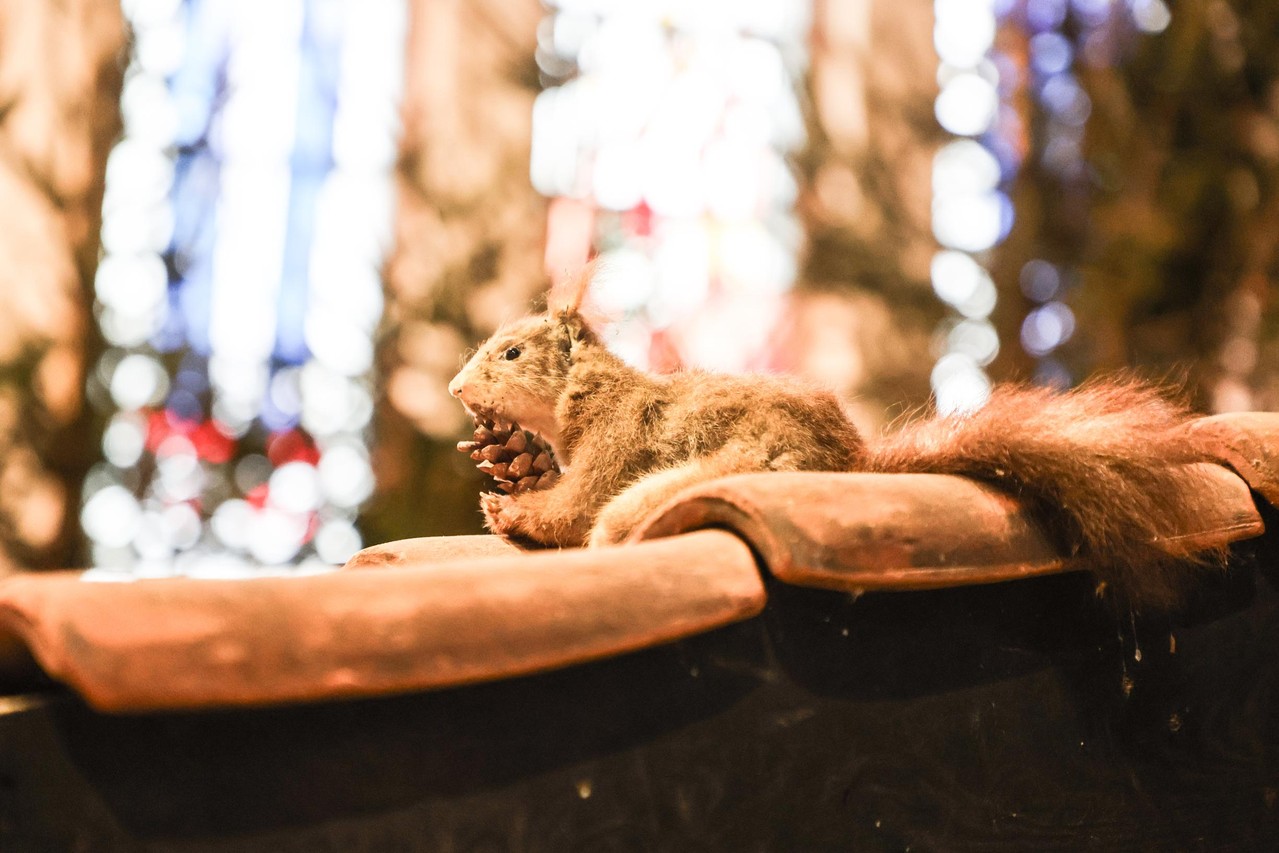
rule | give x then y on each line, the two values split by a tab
188	643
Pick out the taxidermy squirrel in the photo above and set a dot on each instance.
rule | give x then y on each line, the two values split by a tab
1096	463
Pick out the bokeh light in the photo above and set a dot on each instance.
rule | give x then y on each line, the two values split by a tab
971	210
1061	36
984	79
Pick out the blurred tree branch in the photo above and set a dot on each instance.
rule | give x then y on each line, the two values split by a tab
60	79
468	253
865	180
1180	259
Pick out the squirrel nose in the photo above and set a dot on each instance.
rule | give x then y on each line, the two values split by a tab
455	386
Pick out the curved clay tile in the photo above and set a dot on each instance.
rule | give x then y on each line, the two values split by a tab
191	643
906	531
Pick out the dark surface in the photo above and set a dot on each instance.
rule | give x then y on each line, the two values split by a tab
1011	717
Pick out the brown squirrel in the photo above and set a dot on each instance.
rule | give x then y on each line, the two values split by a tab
1096	462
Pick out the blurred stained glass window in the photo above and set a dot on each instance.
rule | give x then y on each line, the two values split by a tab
662	137
247	212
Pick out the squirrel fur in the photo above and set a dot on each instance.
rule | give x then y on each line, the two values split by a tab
1097	463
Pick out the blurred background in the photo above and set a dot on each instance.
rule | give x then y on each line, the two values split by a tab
245	245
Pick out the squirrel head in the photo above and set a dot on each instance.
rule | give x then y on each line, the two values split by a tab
519	373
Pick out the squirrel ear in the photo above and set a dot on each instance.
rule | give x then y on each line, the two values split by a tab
576	330
567	295
564	307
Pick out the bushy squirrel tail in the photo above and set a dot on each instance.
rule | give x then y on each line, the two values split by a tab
1098	464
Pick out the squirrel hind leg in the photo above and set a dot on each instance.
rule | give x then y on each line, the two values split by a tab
624	513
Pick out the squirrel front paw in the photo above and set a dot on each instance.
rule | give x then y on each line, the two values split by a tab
500	514
507	515
600	537
613	526
526	517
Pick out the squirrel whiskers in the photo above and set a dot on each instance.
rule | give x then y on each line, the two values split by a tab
1098	463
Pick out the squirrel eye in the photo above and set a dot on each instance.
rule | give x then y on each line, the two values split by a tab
512	353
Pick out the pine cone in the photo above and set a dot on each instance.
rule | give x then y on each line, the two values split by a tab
517	459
